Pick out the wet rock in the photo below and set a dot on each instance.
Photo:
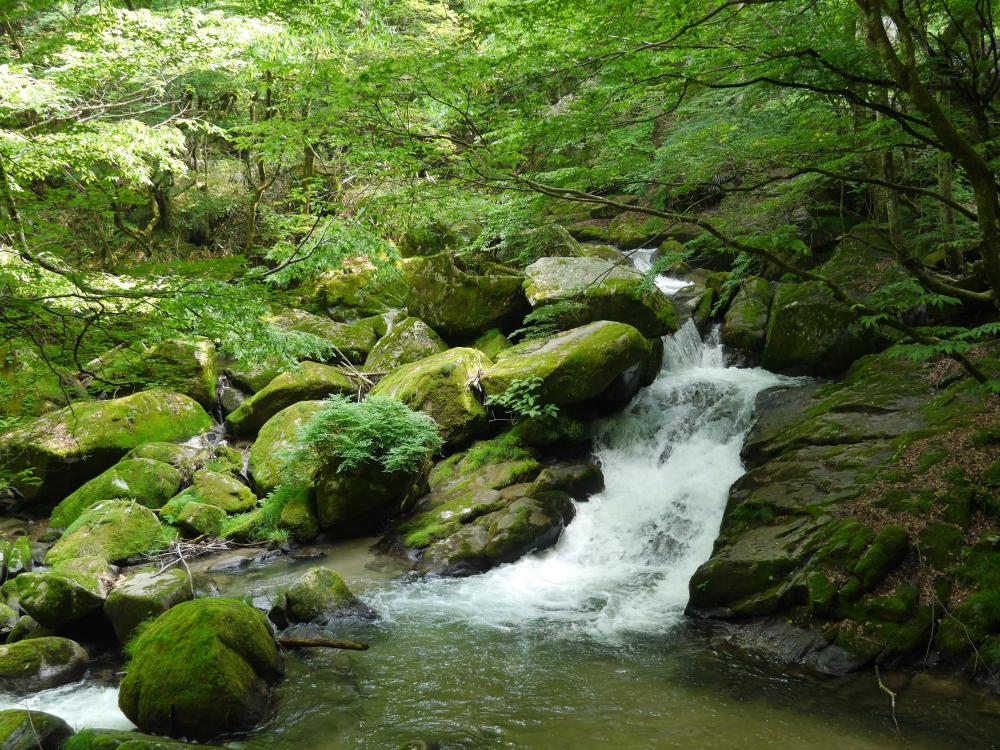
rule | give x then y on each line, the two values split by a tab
201	669
16	557
32	730
66	448
573	366
230	399
142	595
143	480
694	302
409	340
456	303
318	597
40	663
310	382
602	290
114	739
444	387
745	326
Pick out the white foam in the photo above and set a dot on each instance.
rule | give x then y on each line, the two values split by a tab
81	705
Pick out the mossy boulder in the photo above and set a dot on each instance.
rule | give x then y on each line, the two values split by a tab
67	447
279	433
21	729
462	304
187	459
117	739
808	331
442	386
298	516
632	229
253	376
349	341
358	293
310	382
16	557
143	480
550	240
604	290
114	530
201	669
143	595
745	326
187	366
491	343
574	366
28	387
69	592
320	596
361	498
221	490
194	519
409	340
40	663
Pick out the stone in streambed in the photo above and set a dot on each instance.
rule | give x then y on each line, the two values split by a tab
409	340
219	489
40	663
278	434
21	729
318	597
70	591
113	531
202	669
143	595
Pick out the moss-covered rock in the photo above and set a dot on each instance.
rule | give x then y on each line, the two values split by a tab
358	293
605	289
409	340
574	366
319	597
491	343
363	497
143	480
310	382
745	326
187	459
117	739
114	530
443	387
143	595
217	489
40	663
28	387
69	592
21	729
193	518
253	376
352	341
67	447
299	517
187	366
279	433
16	557
632	229
201	669
456	303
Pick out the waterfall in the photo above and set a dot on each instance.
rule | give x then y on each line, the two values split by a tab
624	564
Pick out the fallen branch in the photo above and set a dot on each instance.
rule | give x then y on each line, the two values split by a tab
291	642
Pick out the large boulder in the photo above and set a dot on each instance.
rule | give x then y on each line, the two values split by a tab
443	386
143	480
745	326
363	497
490	505
114	530
318	597
359	293
201	669
458	303
409	340
187	459
310	382
810	332
21	729
604	290
30	386
67	447
40	663
186	366
574	365
279	433
143	595
351	341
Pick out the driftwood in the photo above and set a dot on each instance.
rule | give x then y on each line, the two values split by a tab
292	642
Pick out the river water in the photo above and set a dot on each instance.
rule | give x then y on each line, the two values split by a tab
584	645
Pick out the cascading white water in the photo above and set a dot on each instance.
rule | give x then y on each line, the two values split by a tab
79	704
624	564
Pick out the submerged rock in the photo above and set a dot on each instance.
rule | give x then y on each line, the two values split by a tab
409	340
603	290
458	303
21	729
143	480
310	382
67	447
40	663
573	366
318	597
202	669
443	386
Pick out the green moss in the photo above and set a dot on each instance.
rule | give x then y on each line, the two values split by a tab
885	553
221	490
410	340
931	457
201	669
276	439
352	341
507	447
142	480
318	595
491	343
186	366
114	530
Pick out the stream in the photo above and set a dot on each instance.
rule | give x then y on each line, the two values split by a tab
584	645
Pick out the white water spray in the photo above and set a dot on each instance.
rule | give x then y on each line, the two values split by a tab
624	564
80	704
